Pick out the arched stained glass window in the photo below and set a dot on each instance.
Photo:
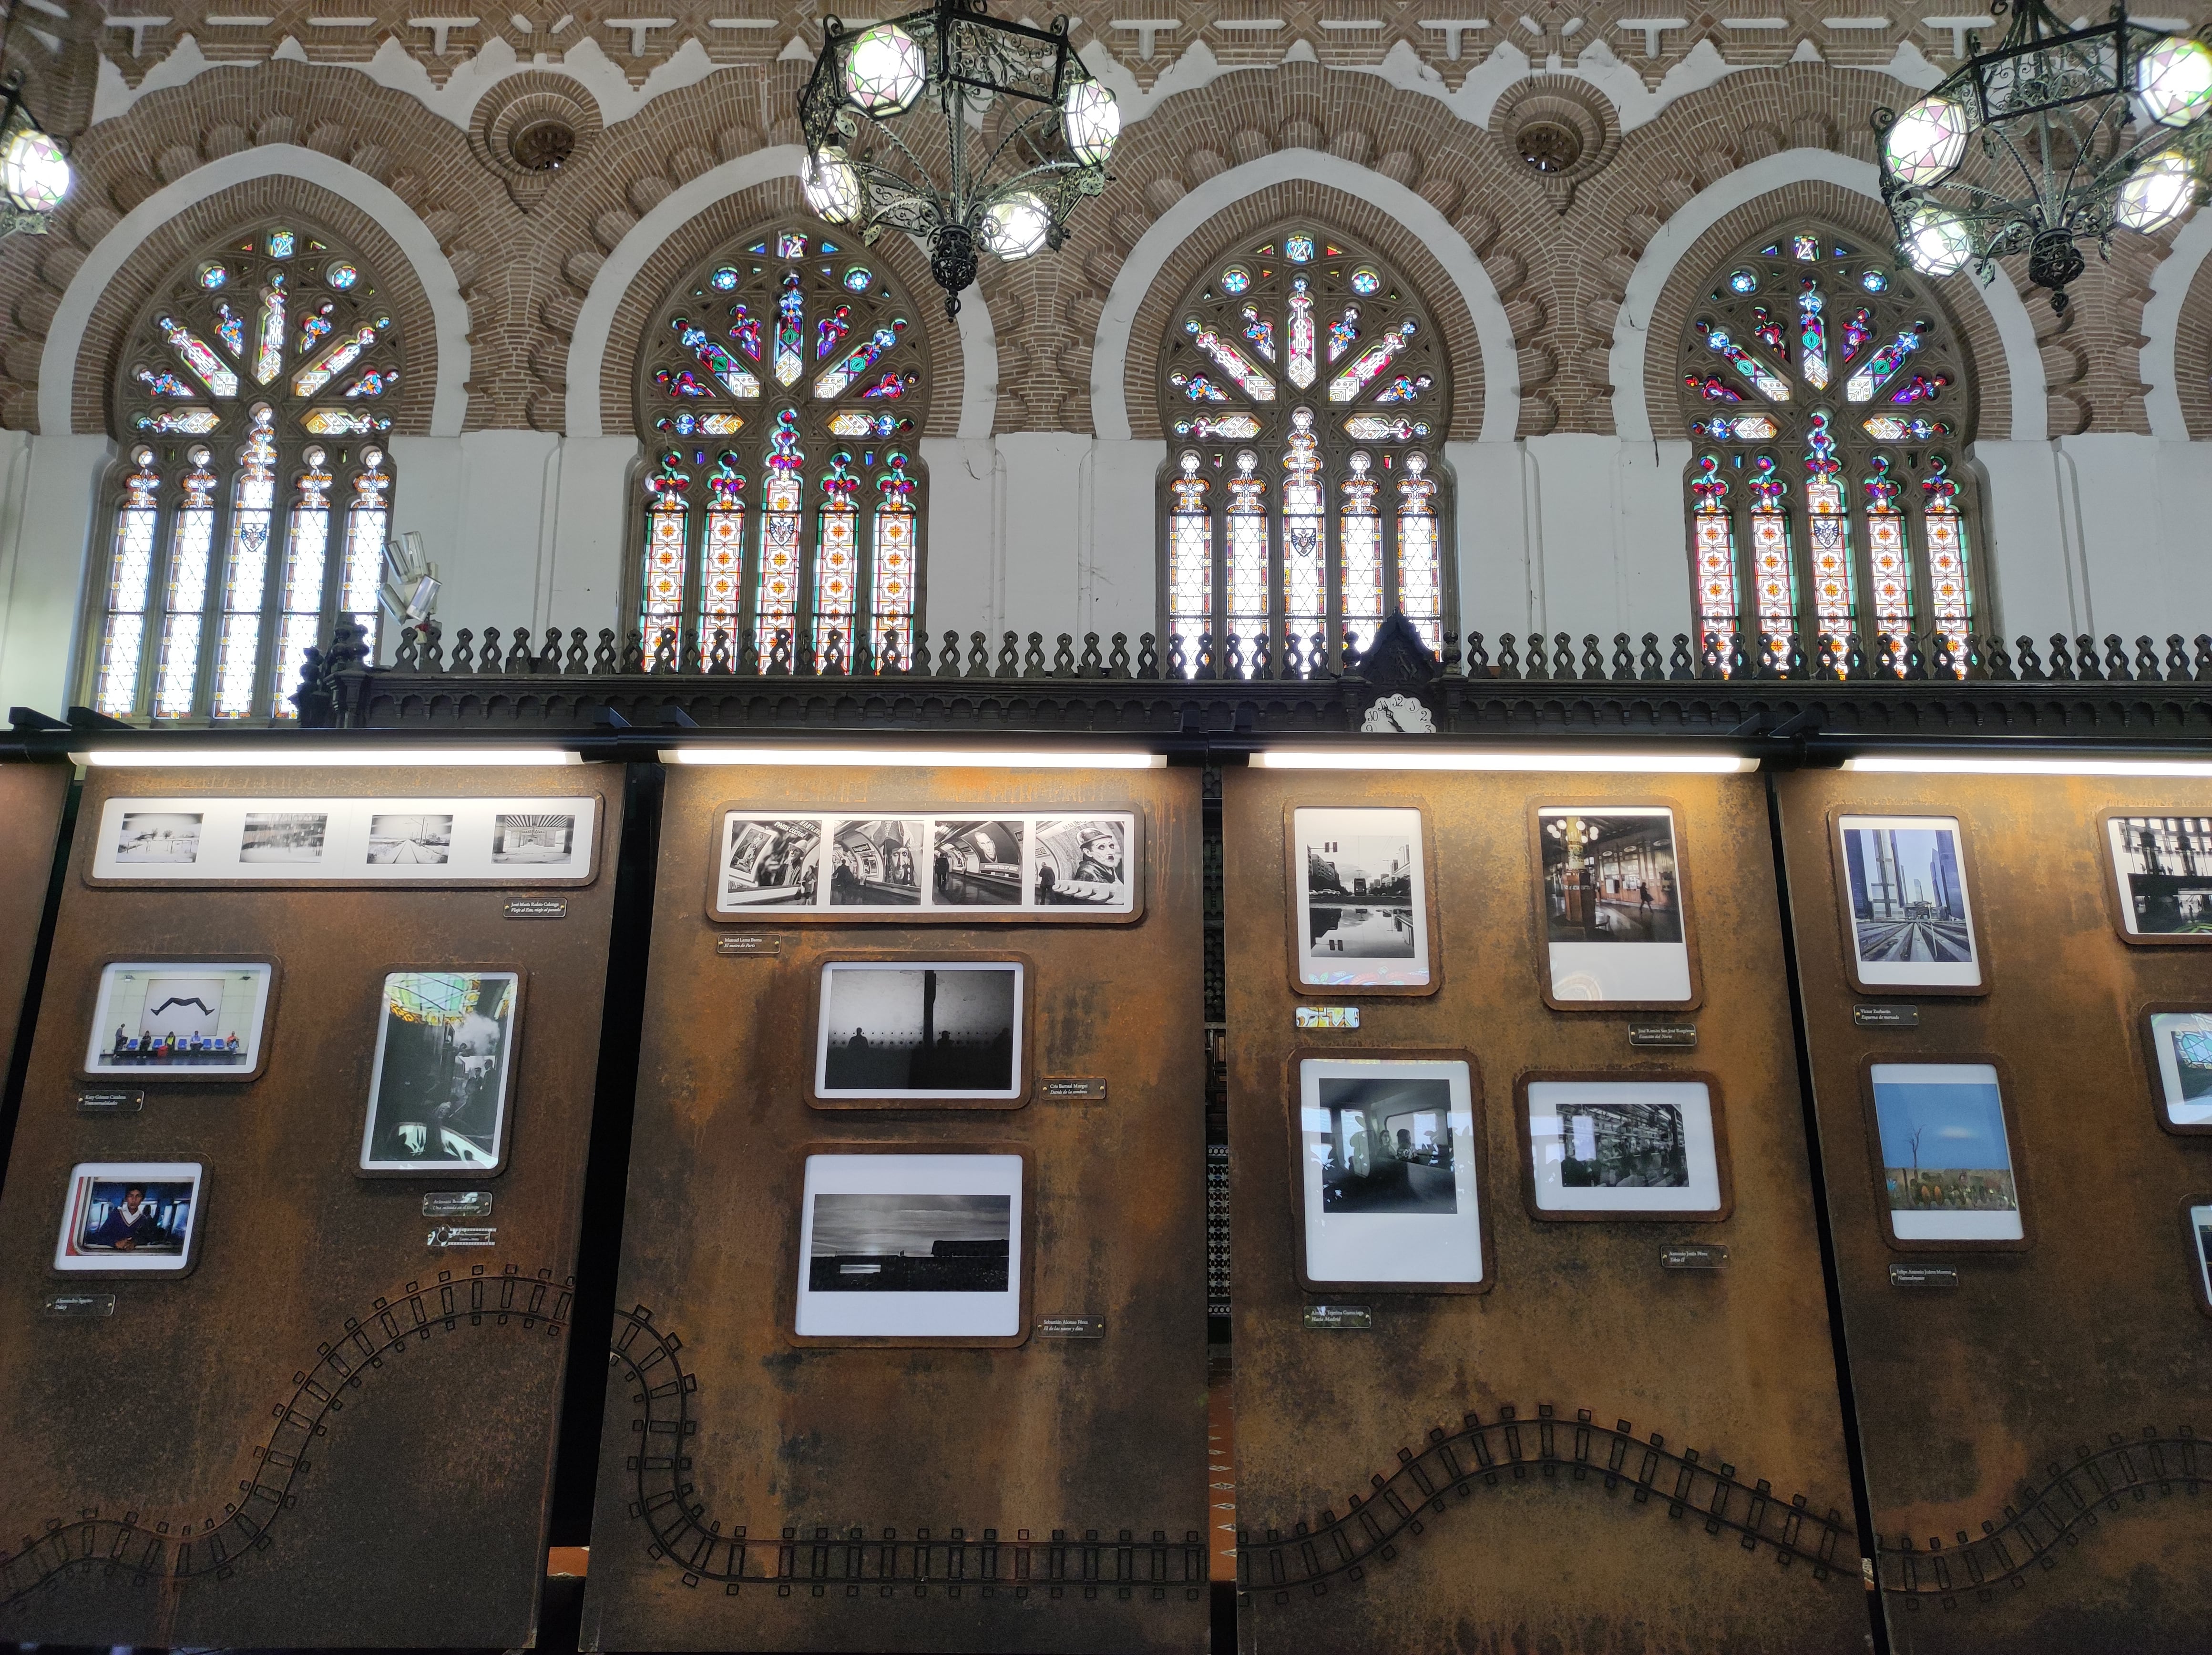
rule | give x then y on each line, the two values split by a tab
1827	402
1305	393
254	497
780	396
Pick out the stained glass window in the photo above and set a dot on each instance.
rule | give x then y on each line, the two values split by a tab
781	395
1827	402
246	519
1304	394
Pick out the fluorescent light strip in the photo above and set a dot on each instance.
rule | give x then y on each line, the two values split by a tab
1968	764
270	758
978	758
1397	758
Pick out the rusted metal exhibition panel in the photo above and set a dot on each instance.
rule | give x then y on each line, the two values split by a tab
1623	1433
245	1401
1017	1467
31	799
2023	1278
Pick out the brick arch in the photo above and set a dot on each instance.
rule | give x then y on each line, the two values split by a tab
1329	208
148	270
2192	355
1990	395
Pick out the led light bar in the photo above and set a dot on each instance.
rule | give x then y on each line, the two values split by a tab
950	758
153	757
1579	762
1976	764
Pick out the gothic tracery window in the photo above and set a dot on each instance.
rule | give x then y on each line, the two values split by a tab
1828	403
1304	394
780	396
254	496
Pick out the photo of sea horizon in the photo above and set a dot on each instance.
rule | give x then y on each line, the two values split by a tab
900	1246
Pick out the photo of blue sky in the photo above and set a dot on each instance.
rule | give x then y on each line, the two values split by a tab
1960	1124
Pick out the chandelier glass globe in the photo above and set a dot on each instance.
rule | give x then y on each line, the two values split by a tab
1937	243
1093	121
831	186
1016	225
34	170
2156	193
2174	81
1925	144
885	69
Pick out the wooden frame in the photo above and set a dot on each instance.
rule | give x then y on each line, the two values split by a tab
1675	813
789	1261
1295	927
195	1239
1723	1170
508	1100
1025	1068
2116	900
2012	1147
2147	1048
1847	933
155	1077
1478	1138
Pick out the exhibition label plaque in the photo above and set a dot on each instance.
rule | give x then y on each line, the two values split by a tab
1339	1319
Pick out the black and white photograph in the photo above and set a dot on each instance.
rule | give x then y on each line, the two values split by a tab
2164	865
770	862
947	1030
1945	1159
284	836
1613	904
1387	1166
910	1246
1625	1148
178	1020
2182	1041
1361	903
170	836
878	863
129	1215
977	864
2200	1248
411	839
533	837
1082	862
438	1089
1911	923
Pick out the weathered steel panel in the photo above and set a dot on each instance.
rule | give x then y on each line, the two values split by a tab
31	800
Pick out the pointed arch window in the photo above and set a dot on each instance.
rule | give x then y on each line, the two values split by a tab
1827	401
252	506
780	394
1304	391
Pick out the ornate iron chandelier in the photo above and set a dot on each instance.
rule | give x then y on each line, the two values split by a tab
970	133
34	169
2055	138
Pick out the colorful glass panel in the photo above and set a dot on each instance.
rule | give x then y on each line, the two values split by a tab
1950	608
783	501
891	604
1371	362
1190	555
269	351
1812	336
1828	537
246	571
667	547
1420	553
339	358
1359	530
130	577
1228	427
1246	534
1764	379
183	598
1255	381
361	571
1713	533
837	557
1890	557
1878	368
1305	594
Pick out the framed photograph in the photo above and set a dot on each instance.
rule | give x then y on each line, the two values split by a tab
878	862
978	864
1081	862
1908	920
770	862
2177	1042
900	1031
1945	1157
169	1020
1389	1167
438	1086
135	1217
1616	925
366	841
2196	1221
1619	1146
1361	909
2162	872
912	1249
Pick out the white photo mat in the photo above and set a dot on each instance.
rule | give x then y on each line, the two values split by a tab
455	1164
2174	1035
2200	1248
829	1027
1365	945
1636	970
1414	1248
2117	829
901	1315
1908	1096
207	839
90	1180
178	1003
1552	1103
1903	884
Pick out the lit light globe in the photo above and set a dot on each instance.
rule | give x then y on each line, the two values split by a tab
2156	193
1093	121
34	170
2174	81
830	185
1937	243
885	69
1015	227
1924	143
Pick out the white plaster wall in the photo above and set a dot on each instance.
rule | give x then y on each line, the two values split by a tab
49	487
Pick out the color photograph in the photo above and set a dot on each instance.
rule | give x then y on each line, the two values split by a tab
2200	1235
284	836
170	1021
978	864
128	1216
536	839
1387	1151
935	1029
1083	862
1613	904
2164	864
877	864
910	1246
1361	904
1911	925
409	840
2182	1042
1626	1149
438	1091
770	862
1947	1164
158	836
